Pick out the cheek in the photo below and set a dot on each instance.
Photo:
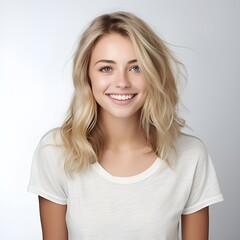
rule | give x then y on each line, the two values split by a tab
142	86
94	83
98	89
99	85
95	92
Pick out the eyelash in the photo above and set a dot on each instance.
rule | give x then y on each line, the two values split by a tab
108	69
104	69
132	68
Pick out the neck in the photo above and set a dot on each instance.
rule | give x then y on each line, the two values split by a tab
122	133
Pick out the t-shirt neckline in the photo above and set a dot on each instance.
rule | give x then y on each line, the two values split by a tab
127	180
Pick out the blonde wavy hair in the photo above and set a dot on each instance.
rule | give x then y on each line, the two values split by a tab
82	135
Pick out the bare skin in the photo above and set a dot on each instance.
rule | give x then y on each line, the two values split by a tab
195	226
53	220
126	140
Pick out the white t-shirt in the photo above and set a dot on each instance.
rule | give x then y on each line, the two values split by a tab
145	206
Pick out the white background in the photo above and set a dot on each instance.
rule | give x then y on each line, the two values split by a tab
37	40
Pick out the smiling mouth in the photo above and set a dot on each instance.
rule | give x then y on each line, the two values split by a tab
122	97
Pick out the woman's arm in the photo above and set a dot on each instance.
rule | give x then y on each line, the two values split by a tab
195	225
53	220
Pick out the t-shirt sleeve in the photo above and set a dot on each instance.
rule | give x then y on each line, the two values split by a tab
47	174
205	189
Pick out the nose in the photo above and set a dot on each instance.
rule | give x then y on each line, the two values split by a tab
123	81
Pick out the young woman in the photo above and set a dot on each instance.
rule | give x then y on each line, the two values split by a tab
119	166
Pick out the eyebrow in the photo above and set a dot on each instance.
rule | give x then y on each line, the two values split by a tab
113	62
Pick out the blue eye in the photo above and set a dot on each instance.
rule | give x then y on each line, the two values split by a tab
135	69
105	69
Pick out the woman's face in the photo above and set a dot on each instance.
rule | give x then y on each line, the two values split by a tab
116	79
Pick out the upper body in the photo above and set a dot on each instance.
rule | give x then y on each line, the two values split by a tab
148	205
119	167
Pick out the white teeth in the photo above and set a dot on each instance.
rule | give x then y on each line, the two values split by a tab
121	97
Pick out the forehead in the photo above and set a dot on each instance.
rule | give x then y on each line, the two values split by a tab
113	45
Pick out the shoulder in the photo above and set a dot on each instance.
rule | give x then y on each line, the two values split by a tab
50	149
52	137
48	178
190	150
189	144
